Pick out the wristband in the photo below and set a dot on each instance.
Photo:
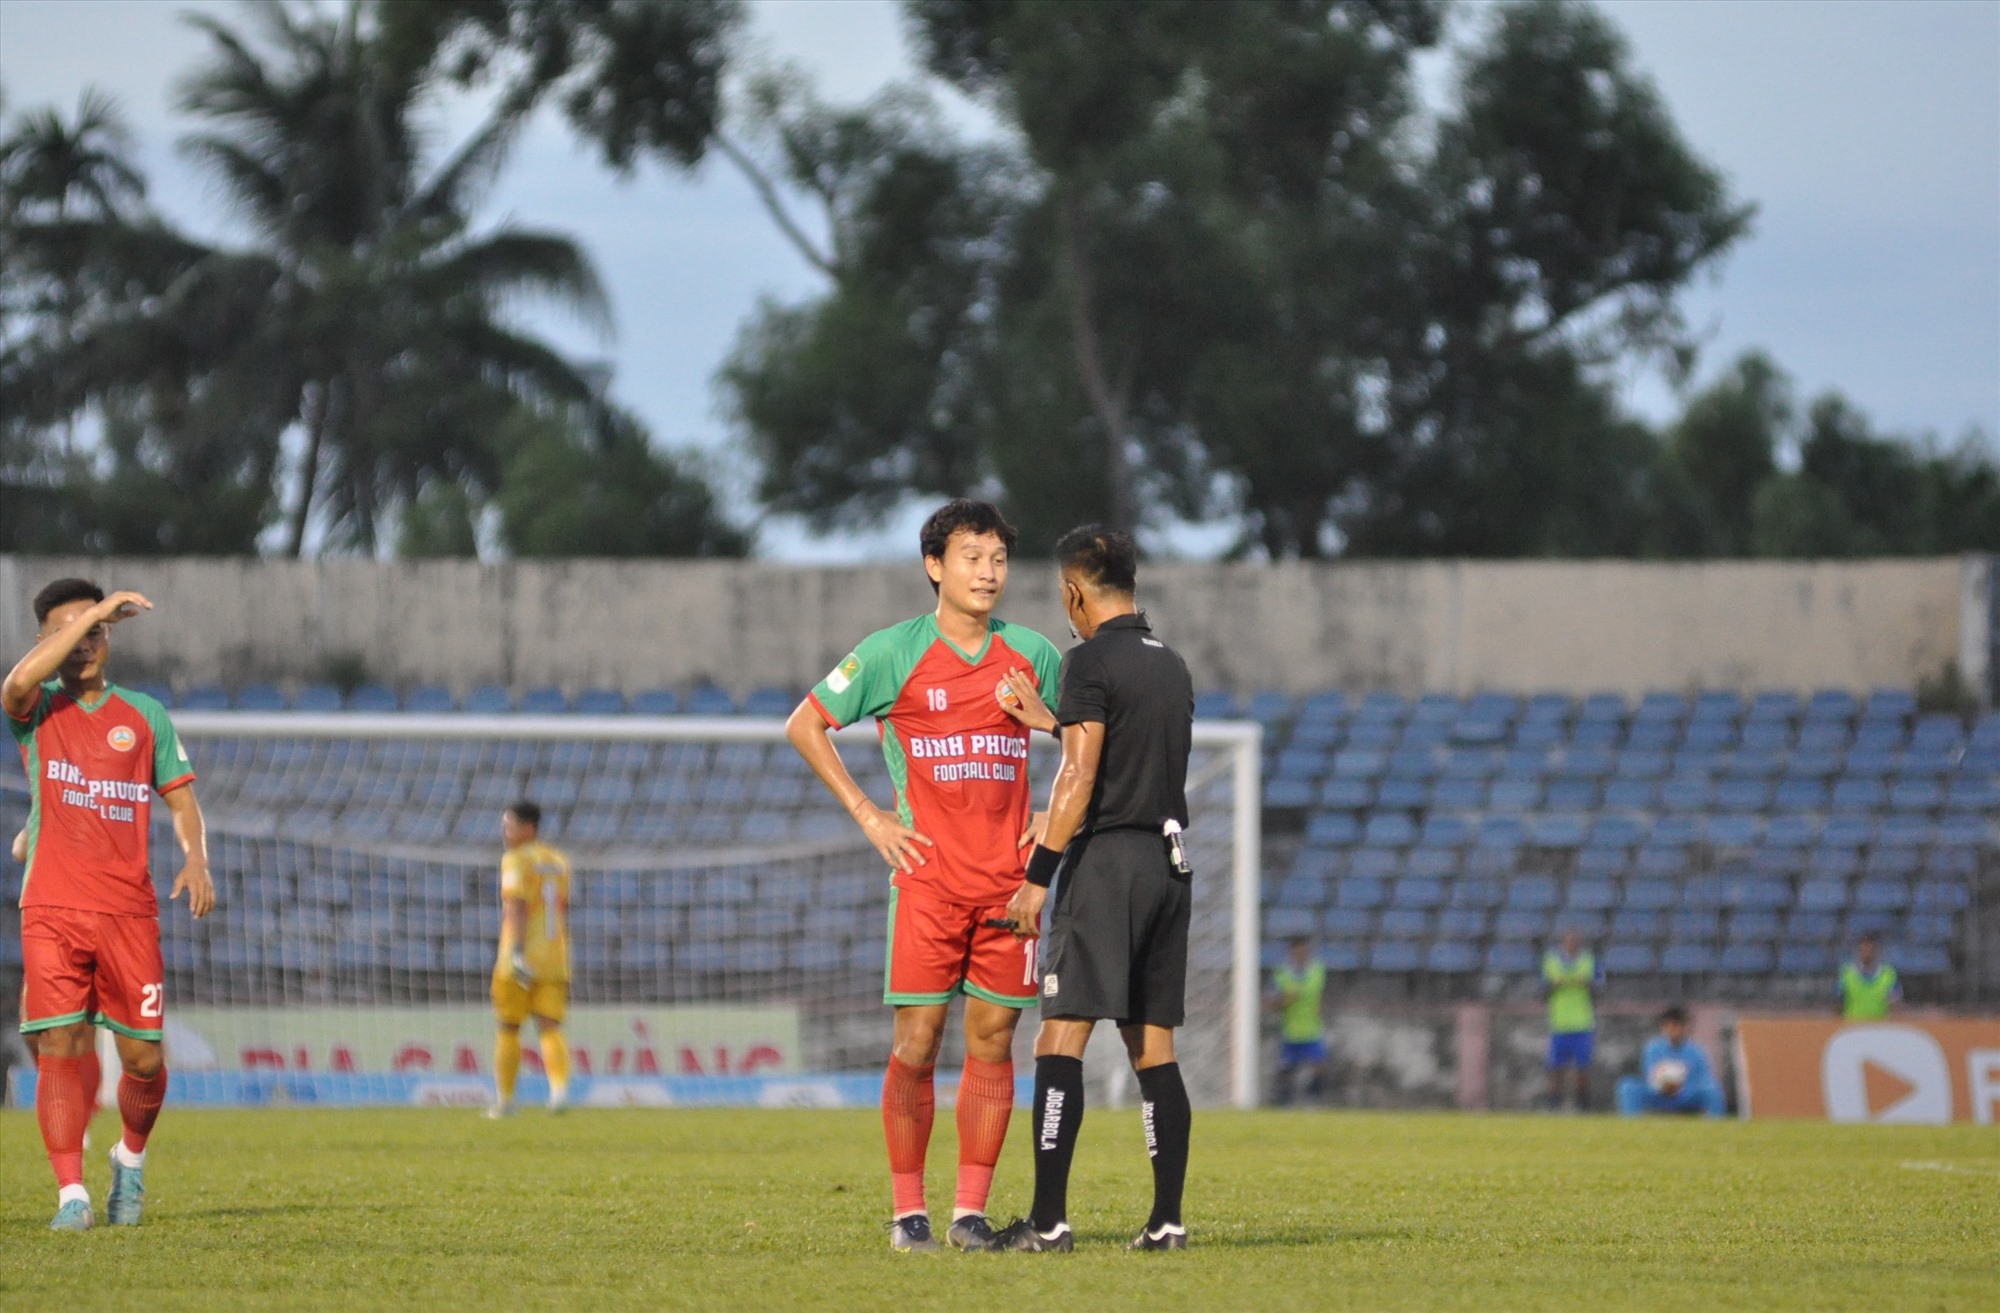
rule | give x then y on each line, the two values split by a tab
1042	864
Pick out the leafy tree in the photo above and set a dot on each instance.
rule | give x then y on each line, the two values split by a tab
600	489
1225	263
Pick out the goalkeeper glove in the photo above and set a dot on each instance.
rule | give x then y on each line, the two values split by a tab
518	965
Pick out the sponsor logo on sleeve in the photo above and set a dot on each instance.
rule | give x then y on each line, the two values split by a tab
122	739
843	674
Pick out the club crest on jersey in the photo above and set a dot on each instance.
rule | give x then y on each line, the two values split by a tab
843	674
122	739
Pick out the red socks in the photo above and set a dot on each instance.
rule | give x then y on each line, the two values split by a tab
139	1107
985	1100
909	1104
63	1102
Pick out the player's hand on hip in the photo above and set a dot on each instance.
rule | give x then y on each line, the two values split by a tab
200	889
1024	909
1038	825
123	605
1020	698
900	846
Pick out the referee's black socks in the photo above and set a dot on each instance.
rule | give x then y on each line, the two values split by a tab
1058	1113
1166	1117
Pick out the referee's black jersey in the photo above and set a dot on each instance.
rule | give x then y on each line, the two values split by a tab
1138	688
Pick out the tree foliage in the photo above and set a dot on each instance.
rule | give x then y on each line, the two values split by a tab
1224	262
358	359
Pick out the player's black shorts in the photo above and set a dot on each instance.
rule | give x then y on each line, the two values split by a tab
1118	938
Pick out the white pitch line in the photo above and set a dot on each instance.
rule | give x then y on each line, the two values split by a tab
1950	1167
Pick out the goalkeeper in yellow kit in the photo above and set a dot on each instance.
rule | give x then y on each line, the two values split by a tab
531	973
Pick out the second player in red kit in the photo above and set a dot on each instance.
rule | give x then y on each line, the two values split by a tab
956	841
96	756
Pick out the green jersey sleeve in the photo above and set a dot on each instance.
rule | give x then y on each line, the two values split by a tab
170	759
1048	665
867	681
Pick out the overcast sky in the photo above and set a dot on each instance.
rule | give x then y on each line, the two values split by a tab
1867	134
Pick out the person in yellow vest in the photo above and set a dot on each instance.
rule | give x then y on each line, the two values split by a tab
1297	986
531	973
1868	985
1571	976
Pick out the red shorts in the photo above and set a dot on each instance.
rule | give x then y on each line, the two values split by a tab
937	949
91	966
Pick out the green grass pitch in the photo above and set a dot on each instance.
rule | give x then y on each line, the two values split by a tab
779	1210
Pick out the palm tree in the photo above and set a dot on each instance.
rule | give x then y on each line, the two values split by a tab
368	276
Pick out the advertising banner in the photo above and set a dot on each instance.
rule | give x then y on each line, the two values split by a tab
1912	1071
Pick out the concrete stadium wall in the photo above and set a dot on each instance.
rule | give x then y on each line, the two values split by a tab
1405	626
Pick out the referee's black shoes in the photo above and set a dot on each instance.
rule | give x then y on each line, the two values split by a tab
1021	1234
1170	1236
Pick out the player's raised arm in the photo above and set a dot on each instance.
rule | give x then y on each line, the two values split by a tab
191	832
808	732
23	685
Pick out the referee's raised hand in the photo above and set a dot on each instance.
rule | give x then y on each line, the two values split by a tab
1019	697
900	846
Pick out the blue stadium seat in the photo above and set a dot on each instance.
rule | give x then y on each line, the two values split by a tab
260	697
1451	957
1290	793
1687	959
1512	795
1461	923
1591	895
1630	959
1957	860
1898	863
598	702
205	697
1823	736
1375	863
1652	894
1415	892
1776	704
1711	735
1303	891
1538	734
1823	896
1634	923
1360	764
1477	893
1743	795
1695	924
1394	955
1269	706
1753	927
1601	862
1318	734
1734	829
1374	735
1349	793
1855	793
1403	795
1531	892
1965	830
1881	895
1797	958
1687	793
708	700
1433	863
1941	896
1938	731
1214	705
1702	891
1333	829
1511	959
654	702
1758	892
1632	795
1459	795
1779	860
1928	928
377	698
488	700
1389	829
769	701
1557	830
1361	892
1914	960
1746	959
1347	923
1656	737
430	700
1403	923
1767	736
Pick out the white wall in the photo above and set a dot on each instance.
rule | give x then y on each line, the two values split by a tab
1415	626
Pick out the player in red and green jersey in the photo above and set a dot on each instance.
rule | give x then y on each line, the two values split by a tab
957	841
96	756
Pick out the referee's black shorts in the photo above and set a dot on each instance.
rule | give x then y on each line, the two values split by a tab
1118	939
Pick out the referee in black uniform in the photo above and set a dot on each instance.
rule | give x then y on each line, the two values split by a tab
1118	938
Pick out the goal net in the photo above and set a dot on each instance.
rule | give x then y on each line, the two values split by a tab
727	919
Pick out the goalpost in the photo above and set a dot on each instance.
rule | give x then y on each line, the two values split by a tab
727	926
